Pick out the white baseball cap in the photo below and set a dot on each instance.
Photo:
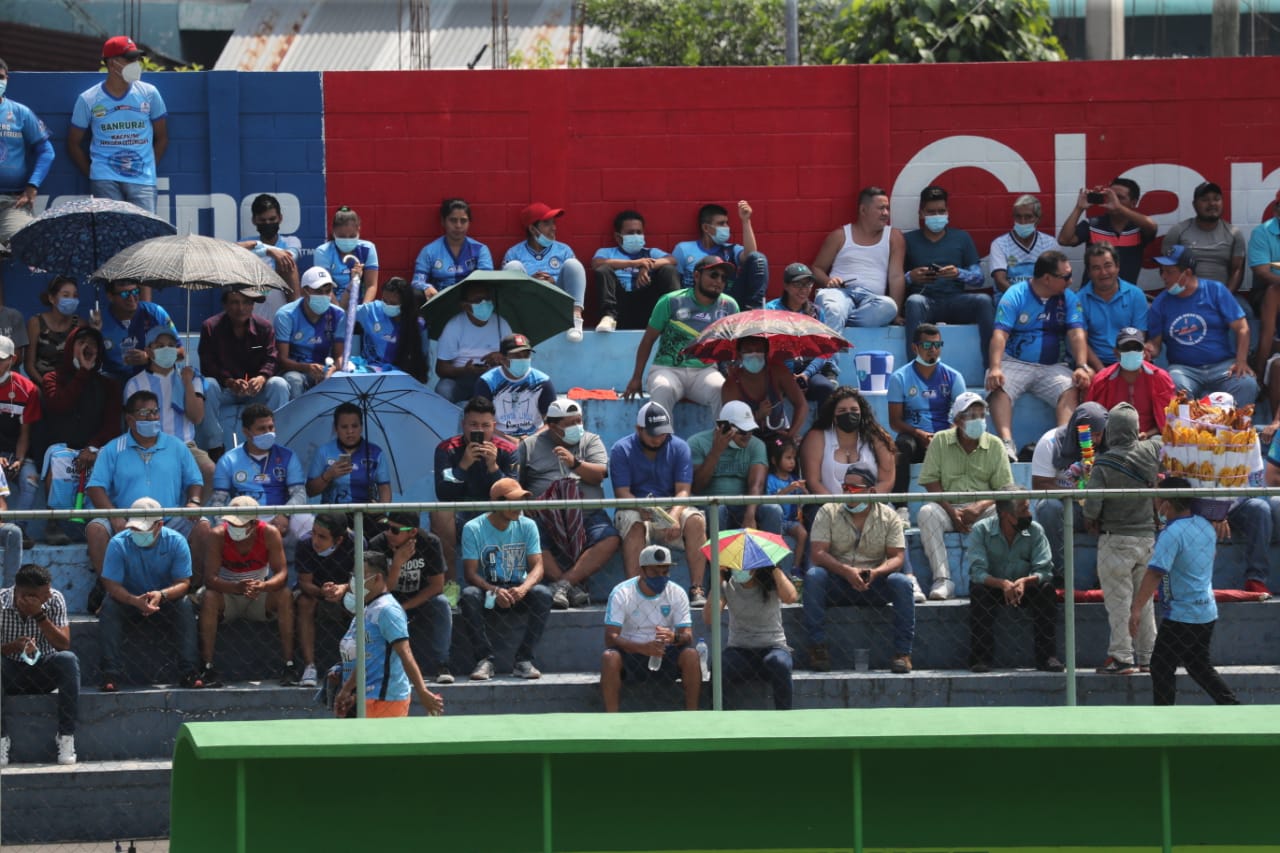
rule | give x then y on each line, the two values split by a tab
148	510
239	520
563	407
316	278
739	414
964	401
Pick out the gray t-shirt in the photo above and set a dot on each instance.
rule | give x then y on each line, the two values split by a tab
1213	249
755	620
539	466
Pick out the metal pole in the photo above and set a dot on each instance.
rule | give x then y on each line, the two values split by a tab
357	586
792	19
713	601
1068	593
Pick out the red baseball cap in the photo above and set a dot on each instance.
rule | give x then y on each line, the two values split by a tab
539	212
121	46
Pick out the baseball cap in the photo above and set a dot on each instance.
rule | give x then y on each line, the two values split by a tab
514	343
400	519
1221	399
964	401
1130	335
239	520
156	332
1205	188
148	513
316	278
656	555
257	294
739	414
654	418
1180	256
6	347
539	212
710	262
796	272
121	46
508	489
563	407
864	472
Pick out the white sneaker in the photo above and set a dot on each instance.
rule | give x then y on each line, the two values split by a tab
5	743
917	594
607	324
483	670
942	590
575	334
904	515
308	676
66	749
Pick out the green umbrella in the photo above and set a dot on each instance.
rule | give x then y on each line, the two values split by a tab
532	307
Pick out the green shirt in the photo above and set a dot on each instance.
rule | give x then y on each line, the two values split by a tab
986	469
681	318
989	554
730	476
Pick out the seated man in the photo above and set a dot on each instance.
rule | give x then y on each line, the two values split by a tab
469	342
310	334
147	574
748	267
280	252
466	467
1205	329
541	256
415	577
729	460
520	393
1009	564
656	463
1108	304
21	409
324	561
238	359
965	458
920	398
648	632
858	551
630	277
564	461
35	639
269	473
1219	246
1014	253
1057	463
1033	323
125	325
1133	379
677	320
502	558
245	578
859	267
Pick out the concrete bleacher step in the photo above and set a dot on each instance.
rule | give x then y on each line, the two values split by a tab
90	801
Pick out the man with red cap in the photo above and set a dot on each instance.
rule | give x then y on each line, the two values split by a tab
541	256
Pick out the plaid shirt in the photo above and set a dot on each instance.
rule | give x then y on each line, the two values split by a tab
14	625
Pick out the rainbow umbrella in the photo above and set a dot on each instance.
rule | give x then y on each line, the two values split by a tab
749	548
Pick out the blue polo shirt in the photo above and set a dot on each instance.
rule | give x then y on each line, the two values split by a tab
437	266
1037	328
119	339
328	255
1104	319
141	570
128	471
310	343
550	260
22	132
369	470
631	468
1195	328
267	480
1184	555
688	253
625	276
926	403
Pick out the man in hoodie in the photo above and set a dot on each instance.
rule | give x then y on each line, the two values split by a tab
1127	534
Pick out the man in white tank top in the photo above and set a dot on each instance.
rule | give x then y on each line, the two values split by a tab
859	267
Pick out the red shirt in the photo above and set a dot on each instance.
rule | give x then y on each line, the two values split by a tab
1149	394
19	404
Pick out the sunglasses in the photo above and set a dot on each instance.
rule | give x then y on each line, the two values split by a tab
146	413
1065	276
929	346
716	274
131	293
395	528
853	490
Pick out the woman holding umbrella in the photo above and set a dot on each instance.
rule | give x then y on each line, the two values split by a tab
766	387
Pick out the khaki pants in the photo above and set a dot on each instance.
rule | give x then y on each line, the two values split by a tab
1122	562
934	522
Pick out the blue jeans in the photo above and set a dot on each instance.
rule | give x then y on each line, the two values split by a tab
176	614
11	542
143	195
537	604
1251	524
59	671
436	619
952	308
768	517
855	306
772	665
222	408
750	282
23	488
456	390
572	279
823	590
1199	381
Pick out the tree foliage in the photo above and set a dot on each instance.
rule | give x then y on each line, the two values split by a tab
882	31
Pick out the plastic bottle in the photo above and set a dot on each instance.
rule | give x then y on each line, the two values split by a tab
702	660
655	662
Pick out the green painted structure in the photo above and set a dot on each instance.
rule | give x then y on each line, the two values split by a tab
935	779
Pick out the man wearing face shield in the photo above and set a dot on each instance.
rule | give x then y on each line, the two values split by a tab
520	393
127	124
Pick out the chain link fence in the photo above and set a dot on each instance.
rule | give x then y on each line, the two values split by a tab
899	601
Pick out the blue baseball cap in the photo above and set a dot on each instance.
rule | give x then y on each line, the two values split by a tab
1180	256
156	331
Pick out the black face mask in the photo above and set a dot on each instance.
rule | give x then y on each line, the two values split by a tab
848	421
269	231
1021	524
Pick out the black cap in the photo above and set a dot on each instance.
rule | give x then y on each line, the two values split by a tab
1130	335
400	519
654	419
713	262
514	343
863	471
796	272
1206	188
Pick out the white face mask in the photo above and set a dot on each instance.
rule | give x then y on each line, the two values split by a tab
132	72
239	534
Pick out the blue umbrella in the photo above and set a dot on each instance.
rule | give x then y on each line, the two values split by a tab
77	237
400	415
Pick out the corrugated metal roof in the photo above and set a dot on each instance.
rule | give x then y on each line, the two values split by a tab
332	35
28	48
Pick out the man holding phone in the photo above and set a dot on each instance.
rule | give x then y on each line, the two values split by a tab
858	551
1120	224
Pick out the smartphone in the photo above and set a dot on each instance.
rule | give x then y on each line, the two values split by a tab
935	269
475	437
344	457
726	428
1095	197
490	599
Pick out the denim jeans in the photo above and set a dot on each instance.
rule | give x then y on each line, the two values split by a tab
59	671
855	306
23	488
572	280
1049	514
823	589
11	541
537	604
1199	381
456	390
772	665
177	614
750	282
768	517
1251	525
952	308
143	195
435	619
222	408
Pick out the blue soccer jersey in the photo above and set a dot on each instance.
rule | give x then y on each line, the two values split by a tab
119	337
385	624
330	257
926	402
688	253
550	260
120	147
309	343
1037	328
267	480
437	266
626	275
369	470
21	131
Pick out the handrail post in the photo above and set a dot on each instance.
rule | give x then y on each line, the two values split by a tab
713	601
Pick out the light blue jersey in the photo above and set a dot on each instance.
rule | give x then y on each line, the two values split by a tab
369	470
550	260
328	255
926	403
1104	319
309	343
267	480
22	132
688	253
1184	554
503	555
625	276
385	624
437	266
1037	328
120	147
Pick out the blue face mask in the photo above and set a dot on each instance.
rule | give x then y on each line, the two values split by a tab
1024	229
482	311
856	508
742	575
632	243
937	224
1131	360
349	601
391	311
143	538
519	367
147	429
656	584
165	357
573	434
975	428
753	363
543	240
33	658
327	551
346	244
68	306
1176	289
266	441
318	304
721	236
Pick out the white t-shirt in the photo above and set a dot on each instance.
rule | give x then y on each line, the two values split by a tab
463	341
638	614
1042	462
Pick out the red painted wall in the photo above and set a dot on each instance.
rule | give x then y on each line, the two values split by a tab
797	142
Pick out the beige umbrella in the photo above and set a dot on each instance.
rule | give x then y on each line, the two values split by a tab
192	262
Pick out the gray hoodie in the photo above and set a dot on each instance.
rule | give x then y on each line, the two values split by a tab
1127	464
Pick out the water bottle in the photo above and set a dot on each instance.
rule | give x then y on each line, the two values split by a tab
655	663
702	660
